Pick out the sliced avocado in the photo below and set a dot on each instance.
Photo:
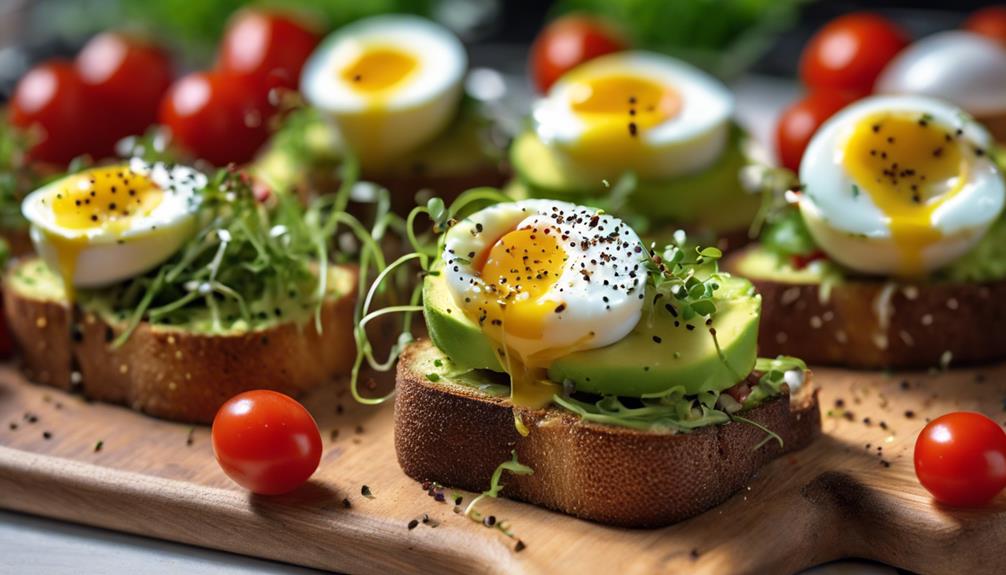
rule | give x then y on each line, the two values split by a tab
698	198
452	331
308	142
34	278
635	365
761	264
662	352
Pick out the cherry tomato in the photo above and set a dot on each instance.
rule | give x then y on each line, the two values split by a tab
850	52
266	442
960	458
567	43
216	117
127	78
52	102
989	22
267	49
799	122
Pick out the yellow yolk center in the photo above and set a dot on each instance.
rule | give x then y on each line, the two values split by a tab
909	166
99	199
617	111
518	272
379	69
375	75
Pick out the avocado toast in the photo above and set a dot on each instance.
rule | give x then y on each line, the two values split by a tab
242	295
388	91
616	383
899	267
645	137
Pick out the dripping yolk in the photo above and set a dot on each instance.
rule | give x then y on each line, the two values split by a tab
909	166
617	110
378	69
519	270
103	198
99	199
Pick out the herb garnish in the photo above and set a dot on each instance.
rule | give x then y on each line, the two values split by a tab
495	485
251	263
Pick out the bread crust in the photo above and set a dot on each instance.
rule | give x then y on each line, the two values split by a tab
613	475
876	324
168	372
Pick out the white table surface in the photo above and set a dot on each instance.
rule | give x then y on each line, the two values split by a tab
41	546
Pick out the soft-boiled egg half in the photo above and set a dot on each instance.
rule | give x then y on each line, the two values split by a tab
544	279
963	68
103	225
638	111
899	185
389	83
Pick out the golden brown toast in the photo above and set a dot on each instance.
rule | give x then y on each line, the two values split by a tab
876	324
169	371
457	435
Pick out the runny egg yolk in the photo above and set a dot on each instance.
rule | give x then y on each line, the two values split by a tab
375	74
617	110
517	271
379	68
909	166
103	199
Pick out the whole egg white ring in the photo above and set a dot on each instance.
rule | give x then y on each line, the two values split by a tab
588	321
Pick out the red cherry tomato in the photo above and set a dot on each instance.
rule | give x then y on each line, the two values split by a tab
799	122
989	22
127	78
850	52
52	102
961	458
266	442
567	43
267	49
216	117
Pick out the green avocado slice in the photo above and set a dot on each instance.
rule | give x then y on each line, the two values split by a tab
696	198
660	354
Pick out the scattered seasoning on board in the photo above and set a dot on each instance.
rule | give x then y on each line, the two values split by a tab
191	437
359	429
413	524
345	503
909	414
98	445
46	435
13	426
519	546
365	491
694	553
334	435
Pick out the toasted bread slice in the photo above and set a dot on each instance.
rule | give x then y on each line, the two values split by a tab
457	434
169	371
876	324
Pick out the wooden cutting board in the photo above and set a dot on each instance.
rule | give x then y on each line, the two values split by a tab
852	493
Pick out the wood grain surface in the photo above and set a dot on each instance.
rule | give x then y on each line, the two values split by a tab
851	493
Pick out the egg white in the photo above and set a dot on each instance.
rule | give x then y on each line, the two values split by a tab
104	255
850	227
687	142
602	299
410	113
963	68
